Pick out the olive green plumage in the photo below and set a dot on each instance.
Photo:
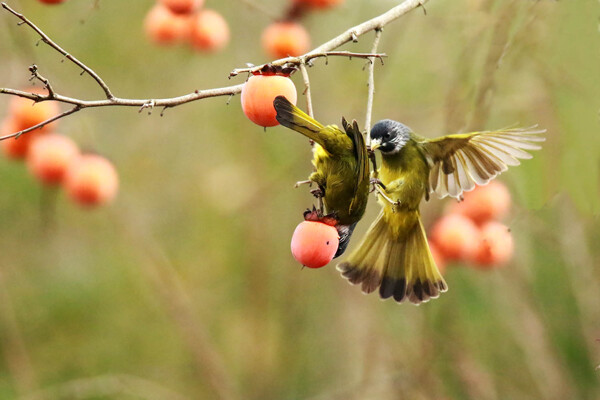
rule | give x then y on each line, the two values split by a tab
341	165
394	255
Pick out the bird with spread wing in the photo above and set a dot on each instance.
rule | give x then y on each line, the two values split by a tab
394	255
341	166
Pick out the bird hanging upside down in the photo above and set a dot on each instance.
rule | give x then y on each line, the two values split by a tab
341	167
394	255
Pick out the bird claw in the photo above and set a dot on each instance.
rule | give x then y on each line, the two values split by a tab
376	182
317	215
300	183
317	192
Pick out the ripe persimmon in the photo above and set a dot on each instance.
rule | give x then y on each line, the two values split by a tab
258	94
283	39
484	203
91	180
52	1
319	3
162	26
456	236
17	148
495	245
209	31
182	6
49	157
27	113
314	243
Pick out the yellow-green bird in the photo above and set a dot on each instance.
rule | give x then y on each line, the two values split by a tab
341	166
394	255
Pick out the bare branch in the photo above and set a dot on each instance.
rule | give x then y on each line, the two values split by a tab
304	59
324	50
115	101
304	72
371	86
56	47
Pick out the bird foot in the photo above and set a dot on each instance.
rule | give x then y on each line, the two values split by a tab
376	182
317	192
317	216
300	183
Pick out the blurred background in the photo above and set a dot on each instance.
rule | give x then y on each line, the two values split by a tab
185	288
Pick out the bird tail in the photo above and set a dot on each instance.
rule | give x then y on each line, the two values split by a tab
402	268
292	117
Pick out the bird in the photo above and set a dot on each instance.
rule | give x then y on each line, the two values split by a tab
394	255
341	164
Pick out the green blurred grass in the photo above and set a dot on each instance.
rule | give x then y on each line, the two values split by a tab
207	203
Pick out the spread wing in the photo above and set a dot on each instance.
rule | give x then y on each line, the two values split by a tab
362	157
458	162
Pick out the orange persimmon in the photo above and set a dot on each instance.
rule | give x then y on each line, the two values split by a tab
314	243
162	26
91	180
209	31
258	94
284	39
49	157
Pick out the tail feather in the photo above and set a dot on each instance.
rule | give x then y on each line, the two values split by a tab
292	117
402	268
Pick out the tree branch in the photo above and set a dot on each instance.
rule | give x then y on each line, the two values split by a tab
56	47
324	50
371	85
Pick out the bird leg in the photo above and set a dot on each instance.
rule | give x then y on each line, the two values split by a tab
376	182
319	192
306	182
382	193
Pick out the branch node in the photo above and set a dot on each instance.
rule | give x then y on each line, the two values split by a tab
354	36
149	105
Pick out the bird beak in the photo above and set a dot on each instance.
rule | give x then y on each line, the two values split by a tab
375	144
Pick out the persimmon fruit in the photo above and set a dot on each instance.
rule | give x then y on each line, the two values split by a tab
91	180
258	94
17	148
52	1
319	3
49	157
485	203
182	6
164	27
456	236
495	246
27	113
209	31
283	39
314	243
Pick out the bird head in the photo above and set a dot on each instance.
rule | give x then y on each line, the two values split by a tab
389	136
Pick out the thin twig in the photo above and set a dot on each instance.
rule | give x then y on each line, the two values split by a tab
324	50
371	87
303	59
309	107
115	101
56	47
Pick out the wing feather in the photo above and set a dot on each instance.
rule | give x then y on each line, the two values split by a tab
459	162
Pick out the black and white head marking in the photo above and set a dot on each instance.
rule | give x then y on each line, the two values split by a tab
389	136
